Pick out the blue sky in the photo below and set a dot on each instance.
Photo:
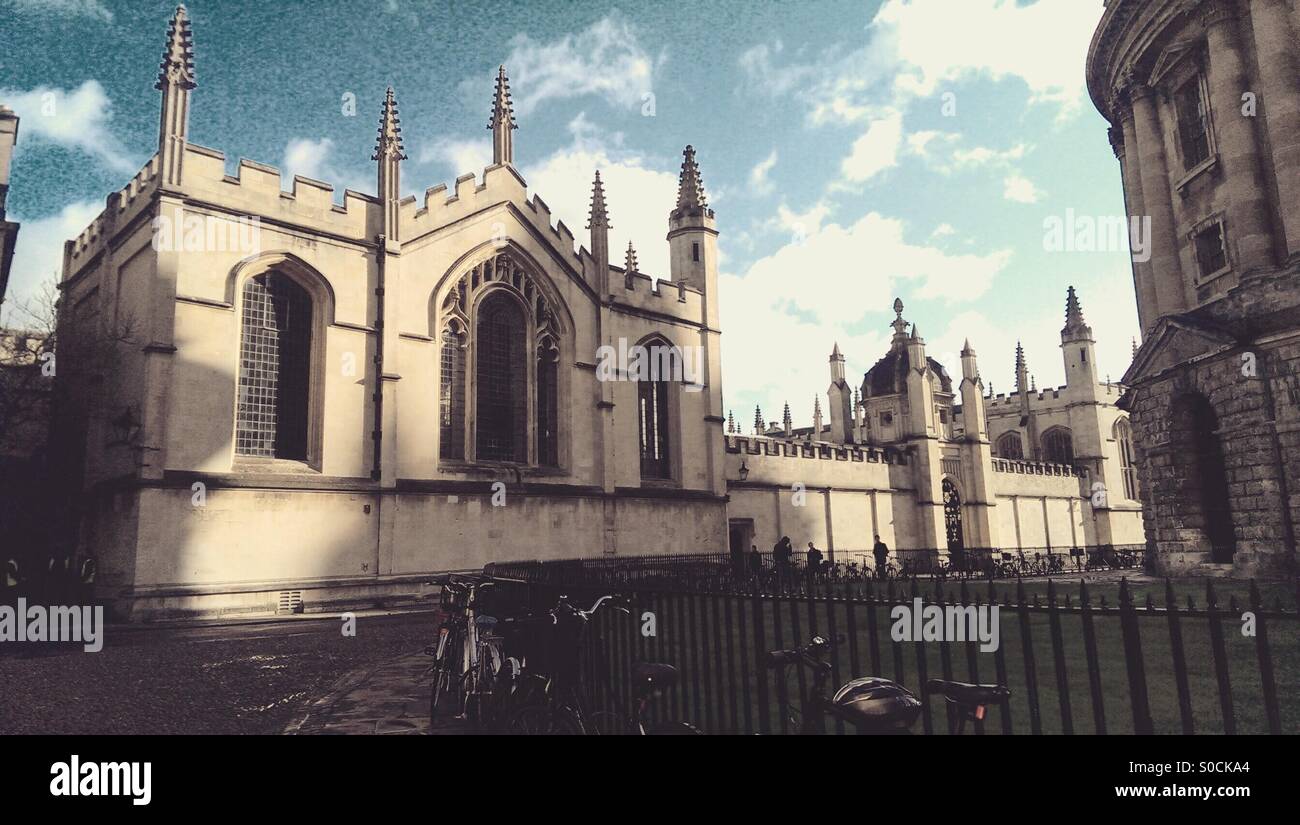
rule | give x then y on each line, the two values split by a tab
853	151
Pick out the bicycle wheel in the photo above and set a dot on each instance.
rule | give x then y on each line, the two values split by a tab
542	720
607	723
445	694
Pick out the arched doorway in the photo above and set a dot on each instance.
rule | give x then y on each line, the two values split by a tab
952	524
1199	454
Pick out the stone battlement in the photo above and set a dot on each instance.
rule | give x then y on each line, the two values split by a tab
1036	468
1051	397
796	448
501	184
656	295
120	208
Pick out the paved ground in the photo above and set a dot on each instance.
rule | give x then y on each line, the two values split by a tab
392	698
245	677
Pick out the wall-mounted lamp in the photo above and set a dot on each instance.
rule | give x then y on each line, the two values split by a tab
744	470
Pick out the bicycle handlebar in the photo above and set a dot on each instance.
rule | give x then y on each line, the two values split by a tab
808	654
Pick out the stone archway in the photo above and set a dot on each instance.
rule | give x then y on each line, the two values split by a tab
1198	458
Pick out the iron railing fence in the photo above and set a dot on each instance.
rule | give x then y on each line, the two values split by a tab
1148	659
750	570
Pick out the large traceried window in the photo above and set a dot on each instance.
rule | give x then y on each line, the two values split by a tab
652	422
500	381
1127	462
1058	446
499	367
271	419
1010	446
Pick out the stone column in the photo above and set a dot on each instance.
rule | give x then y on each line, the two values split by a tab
1250	227
1166	272
1279	70
1130	171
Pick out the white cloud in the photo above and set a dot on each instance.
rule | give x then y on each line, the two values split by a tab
787	311
639	192
459	157
605	59
38	255
876	150
915	46
1043	43
316	159
78	119
943	230
66	8
758	176
1016	187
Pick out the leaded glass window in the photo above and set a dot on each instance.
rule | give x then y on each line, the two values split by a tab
500	381
274	368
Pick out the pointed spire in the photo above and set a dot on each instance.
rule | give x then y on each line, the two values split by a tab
836	355
599	215
966	350
502	123
1033	384
690	189
1020	358
388	146
1135	348
817	417
731	422
1075	327
759	426
629	263
916	333
177	65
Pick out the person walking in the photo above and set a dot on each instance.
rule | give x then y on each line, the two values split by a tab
881	552
814	562
782	553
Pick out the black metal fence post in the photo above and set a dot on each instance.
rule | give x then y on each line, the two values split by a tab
1058	659
1271	712
1031	667
1180	659
1137	680
1220	658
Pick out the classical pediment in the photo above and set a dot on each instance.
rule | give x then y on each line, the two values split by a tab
1173	56
1175	340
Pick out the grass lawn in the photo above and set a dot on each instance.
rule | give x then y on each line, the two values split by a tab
721	668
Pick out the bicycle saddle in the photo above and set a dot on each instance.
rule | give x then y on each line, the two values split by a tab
965	693
653	676
485	622
876	705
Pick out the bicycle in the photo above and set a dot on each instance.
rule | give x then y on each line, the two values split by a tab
554	703
649	680
467	657
871	704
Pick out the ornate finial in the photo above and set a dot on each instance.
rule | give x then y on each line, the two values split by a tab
759	426
786	421
177	65
630	264
690	189
966	350
731	422
836	355
599	216
502	121
1135	348
390	131
1073	312
1033	384
899	325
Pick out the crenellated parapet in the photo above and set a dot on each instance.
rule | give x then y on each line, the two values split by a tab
1035	468
824	450
121	208
660	296
501	184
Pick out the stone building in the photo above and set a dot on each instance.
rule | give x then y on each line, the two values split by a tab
1204	104
936	469
8	228
317	403
325	401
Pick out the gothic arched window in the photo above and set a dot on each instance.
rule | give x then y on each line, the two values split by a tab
1127	464
1010	446
451	397
271	420
652	425
500	380
1058	446
547	417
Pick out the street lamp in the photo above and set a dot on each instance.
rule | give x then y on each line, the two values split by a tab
744	470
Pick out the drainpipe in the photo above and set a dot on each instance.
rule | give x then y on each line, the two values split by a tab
377	434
